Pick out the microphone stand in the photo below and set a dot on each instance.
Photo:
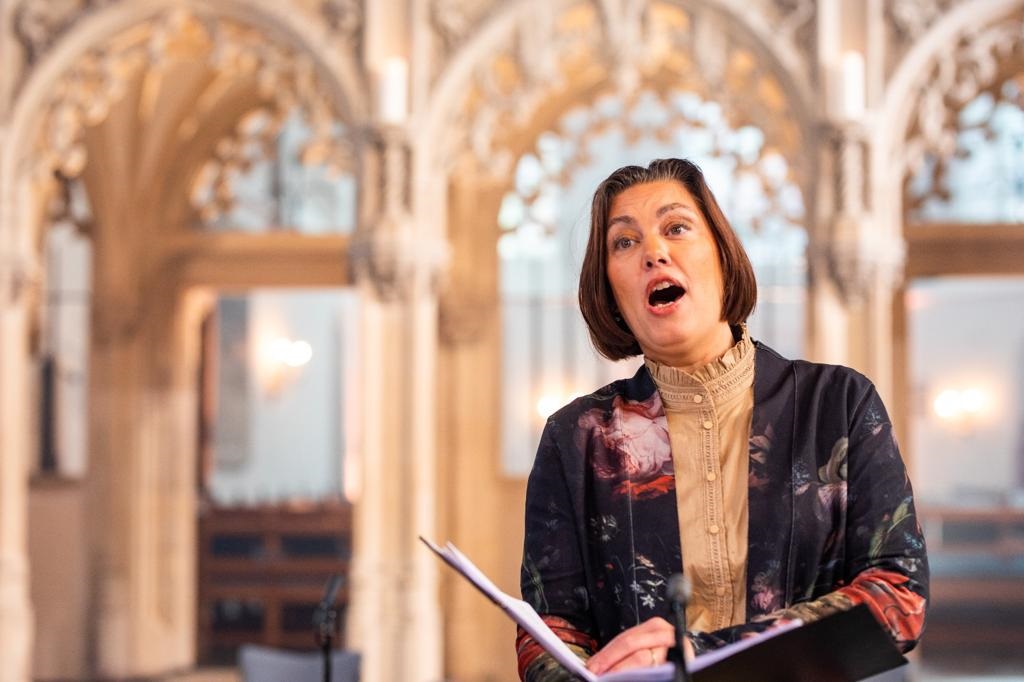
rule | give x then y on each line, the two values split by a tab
679	596
325	622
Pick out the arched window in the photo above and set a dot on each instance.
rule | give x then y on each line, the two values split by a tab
982	181
277	174
547	356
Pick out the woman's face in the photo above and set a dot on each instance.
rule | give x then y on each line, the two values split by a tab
665	274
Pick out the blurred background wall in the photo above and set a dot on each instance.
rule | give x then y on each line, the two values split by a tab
285	284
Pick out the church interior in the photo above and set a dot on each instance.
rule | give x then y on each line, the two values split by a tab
285	285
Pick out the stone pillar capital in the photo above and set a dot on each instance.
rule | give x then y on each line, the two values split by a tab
389	251
396	261
857	253
858	259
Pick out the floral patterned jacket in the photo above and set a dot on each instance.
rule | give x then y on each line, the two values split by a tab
831	512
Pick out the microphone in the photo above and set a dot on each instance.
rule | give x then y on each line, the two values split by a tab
678	594
325	622
324	618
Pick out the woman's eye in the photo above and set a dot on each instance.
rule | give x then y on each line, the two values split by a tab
678	228
622	243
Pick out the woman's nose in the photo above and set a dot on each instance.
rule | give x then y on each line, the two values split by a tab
656	254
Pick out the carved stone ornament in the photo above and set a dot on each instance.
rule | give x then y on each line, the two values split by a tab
289	83
974	65
287	80
909	19
255	139
396	260
858	262
453	21
83	98
39	25
694	53
795	20
343	16
856	259
507	89
906	21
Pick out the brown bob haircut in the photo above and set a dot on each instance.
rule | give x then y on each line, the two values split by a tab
609	333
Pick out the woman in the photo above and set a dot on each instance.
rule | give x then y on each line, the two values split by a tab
781	479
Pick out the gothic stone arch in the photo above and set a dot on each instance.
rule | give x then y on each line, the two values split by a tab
140	488
958	50
492	95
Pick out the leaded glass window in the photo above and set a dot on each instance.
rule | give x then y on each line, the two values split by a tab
279	175
983	180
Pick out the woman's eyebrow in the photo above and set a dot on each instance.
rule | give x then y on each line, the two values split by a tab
627	219
674	207
630	220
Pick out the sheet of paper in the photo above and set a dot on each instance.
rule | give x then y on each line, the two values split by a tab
521	612
524	615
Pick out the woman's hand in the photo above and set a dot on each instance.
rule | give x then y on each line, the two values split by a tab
641	646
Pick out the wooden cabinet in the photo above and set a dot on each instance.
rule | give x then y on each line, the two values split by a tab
262	572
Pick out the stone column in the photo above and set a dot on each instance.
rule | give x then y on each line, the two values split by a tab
395	617
863	260
477	645
140	489
856	257
16	280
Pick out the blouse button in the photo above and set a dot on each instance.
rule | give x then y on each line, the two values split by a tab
713	529
720	591
708	424
712	476
698	398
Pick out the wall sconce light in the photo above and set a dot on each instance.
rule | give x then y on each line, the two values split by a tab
962	409
291	353
281	359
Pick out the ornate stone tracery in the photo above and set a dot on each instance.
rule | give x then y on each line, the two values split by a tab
933	184
39	25
909	19
668	45
388	251
452	20
628	33
856	260
982	58
287	81
255	139
345	17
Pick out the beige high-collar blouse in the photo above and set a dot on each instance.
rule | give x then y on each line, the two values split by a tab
709	413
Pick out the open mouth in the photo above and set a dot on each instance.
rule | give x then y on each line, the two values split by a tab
665	293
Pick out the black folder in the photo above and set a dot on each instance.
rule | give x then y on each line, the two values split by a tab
843	647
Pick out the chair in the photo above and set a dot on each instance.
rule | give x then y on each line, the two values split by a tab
265	664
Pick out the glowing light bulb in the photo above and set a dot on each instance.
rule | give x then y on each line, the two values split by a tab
947	404
299	353
284	351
